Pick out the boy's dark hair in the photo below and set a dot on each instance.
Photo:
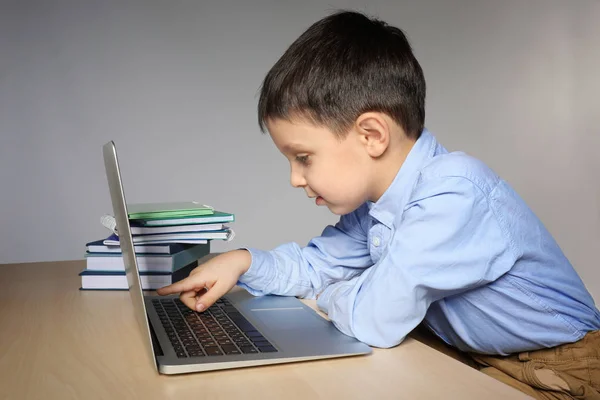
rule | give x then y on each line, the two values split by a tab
342	66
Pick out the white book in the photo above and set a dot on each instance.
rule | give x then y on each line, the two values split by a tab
183	237
141	244
112	263
99	246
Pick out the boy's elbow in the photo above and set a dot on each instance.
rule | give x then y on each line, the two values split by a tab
372	331
381	341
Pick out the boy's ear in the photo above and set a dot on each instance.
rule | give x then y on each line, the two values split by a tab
374	133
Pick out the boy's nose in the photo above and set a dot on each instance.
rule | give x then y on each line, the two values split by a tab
297	180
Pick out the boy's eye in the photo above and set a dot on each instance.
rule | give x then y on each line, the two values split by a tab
302	159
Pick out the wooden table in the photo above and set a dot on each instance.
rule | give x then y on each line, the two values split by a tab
57	342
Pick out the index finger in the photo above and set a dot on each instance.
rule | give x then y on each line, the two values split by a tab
184	285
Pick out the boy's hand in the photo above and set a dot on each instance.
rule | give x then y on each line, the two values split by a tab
211	280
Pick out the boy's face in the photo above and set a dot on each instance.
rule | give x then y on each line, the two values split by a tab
336	172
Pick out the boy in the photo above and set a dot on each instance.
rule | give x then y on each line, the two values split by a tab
425	236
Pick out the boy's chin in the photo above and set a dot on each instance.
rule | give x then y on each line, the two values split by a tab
340	209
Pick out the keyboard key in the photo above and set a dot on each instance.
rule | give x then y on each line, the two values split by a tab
255	339
230	349
267	349
259	340
241	322
248	349
196	352
213	351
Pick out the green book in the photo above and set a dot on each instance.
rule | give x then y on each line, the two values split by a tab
217	217
168	210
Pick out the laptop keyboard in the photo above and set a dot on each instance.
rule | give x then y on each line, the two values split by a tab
220	330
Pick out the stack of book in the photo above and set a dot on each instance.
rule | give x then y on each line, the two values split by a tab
168	241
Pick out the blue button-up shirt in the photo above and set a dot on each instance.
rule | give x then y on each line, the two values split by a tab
449	244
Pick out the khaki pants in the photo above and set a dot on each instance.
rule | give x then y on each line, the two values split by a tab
568	371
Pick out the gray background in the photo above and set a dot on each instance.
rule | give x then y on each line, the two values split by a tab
175	83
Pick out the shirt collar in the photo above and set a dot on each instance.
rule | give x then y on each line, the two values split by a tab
394	199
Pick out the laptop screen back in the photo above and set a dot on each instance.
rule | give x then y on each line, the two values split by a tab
119	205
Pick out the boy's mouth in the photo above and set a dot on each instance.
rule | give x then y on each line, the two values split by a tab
319	201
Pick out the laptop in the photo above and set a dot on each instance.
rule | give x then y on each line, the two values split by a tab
239	330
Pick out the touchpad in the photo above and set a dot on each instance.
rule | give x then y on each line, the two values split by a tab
287	319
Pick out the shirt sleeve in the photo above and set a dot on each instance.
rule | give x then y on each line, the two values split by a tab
449	241
340	253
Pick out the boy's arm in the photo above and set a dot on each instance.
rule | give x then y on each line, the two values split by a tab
340	253
449	241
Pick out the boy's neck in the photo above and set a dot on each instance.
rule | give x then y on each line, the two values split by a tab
389	165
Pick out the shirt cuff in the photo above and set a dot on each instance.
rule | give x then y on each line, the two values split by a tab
257	274
325	297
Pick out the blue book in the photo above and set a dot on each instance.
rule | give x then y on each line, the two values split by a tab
117	280
147	262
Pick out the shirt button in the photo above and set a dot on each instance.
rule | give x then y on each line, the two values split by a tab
376	241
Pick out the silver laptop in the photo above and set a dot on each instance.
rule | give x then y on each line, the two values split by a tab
240	330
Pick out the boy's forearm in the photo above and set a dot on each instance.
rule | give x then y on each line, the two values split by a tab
280	272
240	258
339	254
284	271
